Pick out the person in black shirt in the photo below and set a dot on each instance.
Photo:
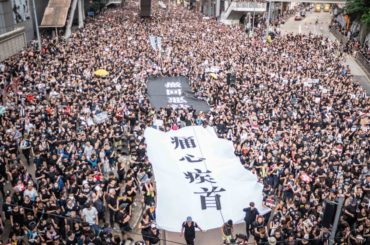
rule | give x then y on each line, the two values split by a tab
130	190
189	227
2	183
153	235
17	197
16	232
123	218
112	206
227	231
71	238
30	222
17	216
145	228
250	216
7	207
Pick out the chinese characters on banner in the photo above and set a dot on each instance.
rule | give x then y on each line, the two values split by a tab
174	92
175	97
198	175
210	193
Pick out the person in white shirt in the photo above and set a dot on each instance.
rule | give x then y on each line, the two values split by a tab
90	214
31	192
88	150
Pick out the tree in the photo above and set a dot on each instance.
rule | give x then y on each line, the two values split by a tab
358	10
365	18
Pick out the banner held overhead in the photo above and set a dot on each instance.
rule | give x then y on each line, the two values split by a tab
198	175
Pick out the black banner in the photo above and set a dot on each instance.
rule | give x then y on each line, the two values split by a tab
174	92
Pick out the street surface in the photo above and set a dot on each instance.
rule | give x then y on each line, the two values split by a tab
307	25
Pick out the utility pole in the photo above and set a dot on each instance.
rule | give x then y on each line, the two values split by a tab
339	203
268	18
254	13
37	26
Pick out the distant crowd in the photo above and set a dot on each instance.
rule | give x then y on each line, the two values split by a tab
73	163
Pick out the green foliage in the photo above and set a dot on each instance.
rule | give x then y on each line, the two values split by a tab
355	7
365	18
358	10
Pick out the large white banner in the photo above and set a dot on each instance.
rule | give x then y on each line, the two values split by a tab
198	175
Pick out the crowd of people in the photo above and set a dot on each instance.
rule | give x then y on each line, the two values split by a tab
72	147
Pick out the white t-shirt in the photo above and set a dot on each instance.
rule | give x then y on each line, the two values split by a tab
90	215
32	194
88	150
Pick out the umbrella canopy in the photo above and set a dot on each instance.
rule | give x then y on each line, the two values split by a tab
101	73
212	75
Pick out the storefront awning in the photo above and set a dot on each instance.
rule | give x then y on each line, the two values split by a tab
56	13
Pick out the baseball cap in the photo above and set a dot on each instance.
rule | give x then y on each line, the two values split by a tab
272	240
189	218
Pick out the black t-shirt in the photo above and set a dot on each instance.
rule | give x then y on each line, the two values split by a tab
128	189
18	217
112	201
145	230
250	215
2	168
7	208
30	223
227	229
189	230
70	241
28	207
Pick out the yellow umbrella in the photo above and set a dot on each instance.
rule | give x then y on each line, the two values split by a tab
269	39
101	73
212	75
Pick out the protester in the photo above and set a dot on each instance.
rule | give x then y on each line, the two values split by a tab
145	226
250	216
188	230
227	231
297	117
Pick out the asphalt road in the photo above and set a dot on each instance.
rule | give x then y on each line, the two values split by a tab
307	25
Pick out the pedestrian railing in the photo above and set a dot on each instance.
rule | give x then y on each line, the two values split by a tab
359	57
362	60
338	35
